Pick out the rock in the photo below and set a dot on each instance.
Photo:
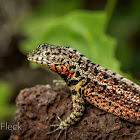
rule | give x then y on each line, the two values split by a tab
39	106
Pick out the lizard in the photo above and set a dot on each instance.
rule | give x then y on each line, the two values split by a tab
99	86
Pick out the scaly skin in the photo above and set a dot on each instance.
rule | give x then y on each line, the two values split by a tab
101	87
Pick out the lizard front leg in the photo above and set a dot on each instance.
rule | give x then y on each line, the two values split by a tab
78	110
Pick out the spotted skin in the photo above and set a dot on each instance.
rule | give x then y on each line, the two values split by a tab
99	86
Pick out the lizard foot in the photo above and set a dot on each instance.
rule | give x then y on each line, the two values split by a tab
59	127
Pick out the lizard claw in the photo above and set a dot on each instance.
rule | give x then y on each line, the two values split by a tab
53	131
54	125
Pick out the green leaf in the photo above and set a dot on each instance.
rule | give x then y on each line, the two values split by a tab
55	8
81	30
3	93
6	111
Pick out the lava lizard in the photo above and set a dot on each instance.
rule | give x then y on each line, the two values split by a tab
99	86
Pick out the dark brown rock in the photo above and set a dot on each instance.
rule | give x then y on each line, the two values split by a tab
38	108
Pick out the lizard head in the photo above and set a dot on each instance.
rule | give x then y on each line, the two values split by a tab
49	55
63	60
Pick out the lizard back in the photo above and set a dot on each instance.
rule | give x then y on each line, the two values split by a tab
113	93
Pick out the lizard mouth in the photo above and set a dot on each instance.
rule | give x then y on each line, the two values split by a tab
37	59
30	56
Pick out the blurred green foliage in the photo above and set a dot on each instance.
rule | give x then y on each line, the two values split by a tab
79	29
6	111
125	27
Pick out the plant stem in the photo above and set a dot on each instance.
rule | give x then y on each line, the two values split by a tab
110	6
